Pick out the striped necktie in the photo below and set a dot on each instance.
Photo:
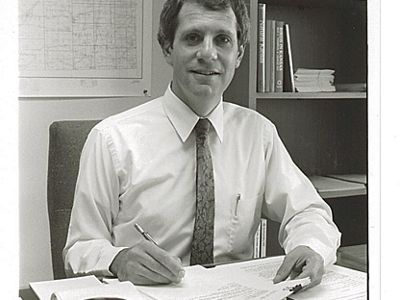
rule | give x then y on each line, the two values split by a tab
203	234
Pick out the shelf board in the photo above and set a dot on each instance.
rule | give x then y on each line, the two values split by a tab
310	3
334	188
357	178
319	95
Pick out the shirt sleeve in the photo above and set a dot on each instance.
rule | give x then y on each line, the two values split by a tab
291	199
89	248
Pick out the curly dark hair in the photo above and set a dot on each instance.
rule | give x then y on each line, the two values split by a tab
171	9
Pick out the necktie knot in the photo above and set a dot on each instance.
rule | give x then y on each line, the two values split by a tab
202	128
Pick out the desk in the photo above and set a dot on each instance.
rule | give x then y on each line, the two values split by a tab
353	257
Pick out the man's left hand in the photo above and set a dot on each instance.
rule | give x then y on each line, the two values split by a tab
299	263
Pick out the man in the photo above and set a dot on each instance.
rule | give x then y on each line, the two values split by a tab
146	166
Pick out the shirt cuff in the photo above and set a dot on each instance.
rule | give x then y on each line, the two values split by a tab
107	258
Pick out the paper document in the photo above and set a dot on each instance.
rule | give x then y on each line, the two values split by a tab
122	290
237	281
86	287
83	38
44	289
84	48
337	283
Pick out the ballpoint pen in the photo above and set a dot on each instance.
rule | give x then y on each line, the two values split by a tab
145	234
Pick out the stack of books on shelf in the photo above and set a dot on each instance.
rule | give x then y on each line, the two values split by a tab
314	80
274	53
260	240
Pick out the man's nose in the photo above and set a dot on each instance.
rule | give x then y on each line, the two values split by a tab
207	50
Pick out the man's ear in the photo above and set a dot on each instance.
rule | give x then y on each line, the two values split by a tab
167	51
240	55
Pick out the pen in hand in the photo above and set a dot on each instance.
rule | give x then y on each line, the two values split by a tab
145	234
148	237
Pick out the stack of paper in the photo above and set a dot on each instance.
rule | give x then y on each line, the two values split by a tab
314	80
87	287
337	283
235	281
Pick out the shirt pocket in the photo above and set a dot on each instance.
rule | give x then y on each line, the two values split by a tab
245	217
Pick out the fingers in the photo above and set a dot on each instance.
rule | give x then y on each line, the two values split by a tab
301	262
170	263
314	270
157	267
146	263
285	269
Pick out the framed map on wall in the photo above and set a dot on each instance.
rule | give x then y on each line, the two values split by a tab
73	48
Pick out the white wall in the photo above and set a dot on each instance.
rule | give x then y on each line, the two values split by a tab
35	117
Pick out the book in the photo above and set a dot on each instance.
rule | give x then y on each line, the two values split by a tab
270	55
279	56
288	77
117	291
261	81
257	242
263	244
332	188
44	289
84	287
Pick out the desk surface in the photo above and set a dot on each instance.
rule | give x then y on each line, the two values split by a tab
353	257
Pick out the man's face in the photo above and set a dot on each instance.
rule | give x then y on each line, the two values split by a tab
204	55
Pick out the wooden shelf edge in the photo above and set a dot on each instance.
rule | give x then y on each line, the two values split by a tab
340	194
328	187
320	95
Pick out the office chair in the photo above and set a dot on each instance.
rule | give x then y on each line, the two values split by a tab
66	141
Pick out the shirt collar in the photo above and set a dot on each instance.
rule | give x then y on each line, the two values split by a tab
184	119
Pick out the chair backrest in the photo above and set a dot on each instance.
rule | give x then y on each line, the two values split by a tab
66	141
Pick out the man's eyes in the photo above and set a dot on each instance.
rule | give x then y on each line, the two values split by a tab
221	40
193	38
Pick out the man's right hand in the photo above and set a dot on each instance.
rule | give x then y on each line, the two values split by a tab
145	264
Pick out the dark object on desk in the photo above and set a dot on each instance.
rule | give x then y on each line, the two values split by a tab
66	141
353	257
351	87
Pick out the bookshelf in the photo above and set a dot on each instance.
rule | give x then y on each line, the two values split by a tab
327	95
325	132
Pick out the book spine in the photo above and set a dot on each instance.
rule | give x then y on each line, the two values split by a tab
261	48
279	47
257	240
272	55
289	59
263	250
268	55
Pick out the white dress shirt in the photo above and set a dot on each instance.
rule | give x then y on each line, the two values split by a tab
140	167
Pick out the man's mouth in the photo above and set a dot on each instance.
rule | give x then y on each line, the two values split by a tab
206	72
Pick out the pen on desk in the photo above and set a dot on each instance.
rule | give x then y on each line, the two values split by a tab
145	234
